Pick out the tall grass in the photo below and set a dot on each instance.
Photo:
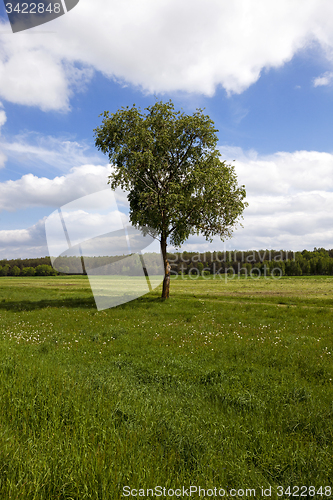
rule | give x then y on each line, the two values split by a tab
225	385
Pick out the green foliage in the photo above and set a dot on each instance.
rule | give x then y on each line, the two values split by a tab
200	267
22	263
4	270
28	271
15	271
45	270
268	262
170	164
291	264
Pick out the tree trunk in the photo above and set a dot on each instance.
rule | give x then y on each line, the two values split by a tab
167	268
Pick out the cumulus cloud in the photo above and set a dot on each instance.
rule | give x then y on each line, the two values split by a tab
3	119
282	173
34	235
290	232
163	46
325	79
32	74
32	191
21	243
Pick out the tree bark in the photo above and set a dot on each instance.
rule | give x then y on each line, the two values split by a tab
167	268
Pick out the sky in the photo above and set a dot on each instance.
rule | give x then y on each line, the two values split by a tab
263	71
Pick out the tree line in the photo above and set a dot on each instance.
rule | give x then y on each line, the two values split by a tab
27	267
282	262
252	262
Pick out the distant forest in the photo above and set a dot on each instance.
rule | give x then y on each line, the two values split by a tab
251	262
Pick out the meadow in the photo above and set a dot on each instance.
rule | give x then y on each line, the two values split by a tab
226	385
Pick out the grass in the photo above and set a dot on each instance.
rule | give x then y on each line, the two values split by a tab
226	385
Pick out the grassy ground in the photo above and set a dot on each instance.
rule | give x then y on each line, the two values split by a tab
226	385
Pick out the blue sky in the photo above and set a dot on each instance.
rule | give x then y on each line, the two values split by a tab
262	70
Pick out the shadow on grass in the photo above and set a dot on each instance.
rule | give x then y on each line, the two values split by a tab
70	303
30	305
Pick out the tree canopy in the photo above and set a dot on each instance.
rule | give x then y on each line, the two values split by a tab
169	163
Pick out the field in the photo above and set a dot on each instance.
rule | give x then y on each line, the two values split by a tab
226	385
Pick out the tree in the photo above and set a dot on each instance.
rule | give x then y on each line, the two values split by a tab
45	270
200	267
4	270
15	271
169	163
28	271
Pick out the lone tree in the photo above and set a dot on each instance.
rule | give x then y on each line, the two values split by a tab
169	163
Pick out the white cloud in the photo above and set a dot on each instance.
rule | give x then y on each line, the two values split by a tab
3	119
3	159
21	243
32	191
32	74
33	235
163	46
282	173
325	79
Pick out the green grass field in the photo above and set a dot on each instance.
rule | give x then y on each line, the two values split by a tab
225	385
